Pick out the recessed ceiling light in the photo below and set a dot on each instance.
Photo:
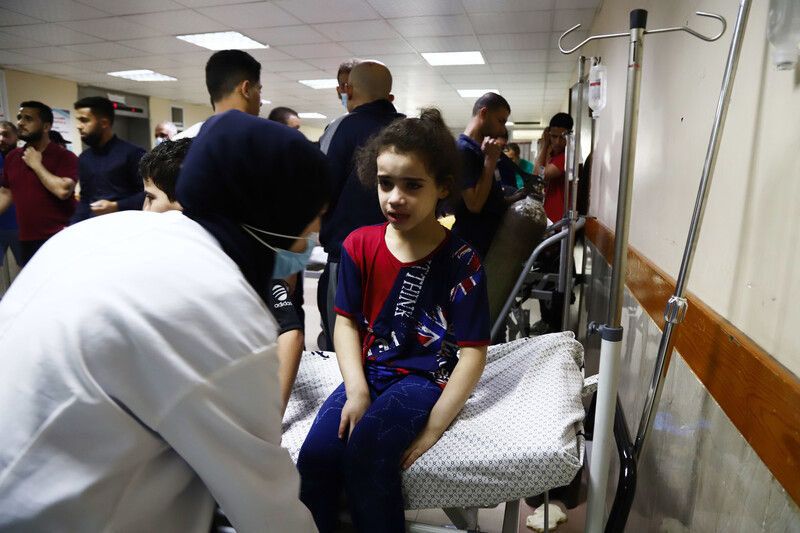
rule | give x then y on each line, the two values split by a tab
328	83
438	59
509	123
141	75
475	93
223	40
266	101
311	115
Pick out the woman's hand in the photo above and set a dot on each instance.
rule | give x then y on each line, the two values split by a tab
354	408
420	445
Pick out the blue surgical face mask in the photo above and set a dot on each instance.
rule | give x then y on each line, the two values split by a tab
344	100
286	262
160	140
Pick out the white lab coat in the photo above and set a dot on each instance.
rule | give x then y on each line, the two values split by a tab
137	383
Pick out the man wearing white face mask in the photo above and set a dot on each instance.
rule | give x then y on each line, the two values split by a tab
352	206
165	131
342	77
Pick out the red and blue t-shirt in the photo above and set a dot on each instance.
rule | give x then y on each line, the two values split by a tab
413	316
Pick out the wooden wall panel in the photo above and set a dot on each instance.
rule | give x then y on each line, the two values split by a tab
759	395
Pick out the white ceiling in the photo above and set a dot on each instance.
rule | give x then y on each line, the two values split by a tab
81	40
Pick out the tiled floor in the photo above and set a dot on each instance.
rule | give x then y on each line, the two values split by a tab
8	271
491	520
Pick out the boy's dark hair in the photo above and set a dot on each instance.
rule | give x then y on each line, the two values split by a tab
492	102
163	165
228	68
514	147
9	125
282	114
45	113
101	107
427	137
561	120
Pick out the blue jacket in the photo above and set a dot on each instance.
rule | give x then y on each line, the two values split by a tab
8	220
110	173
352	205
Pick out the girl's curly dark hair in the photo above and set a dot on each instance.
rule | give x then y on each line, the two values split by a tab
427	137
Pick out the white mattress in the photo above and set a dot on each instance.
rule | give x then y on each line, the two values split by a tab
519	434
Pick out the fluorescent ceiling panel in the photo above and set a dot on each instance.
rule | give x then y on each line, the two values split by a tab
311	115
437	59
142	75
223	40
475	93
266	101
328	83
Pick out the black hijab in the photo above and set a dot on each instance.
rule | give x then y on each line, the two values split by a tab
243	169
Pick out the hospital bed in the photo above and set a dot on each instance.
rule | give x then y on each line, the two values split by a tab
520	433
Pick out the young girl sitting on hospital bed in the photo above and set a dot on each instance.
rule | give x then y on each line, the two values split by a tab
410	294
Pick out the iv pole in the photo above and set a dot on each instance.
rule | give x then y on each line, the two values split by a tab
612	333
570	202
676	306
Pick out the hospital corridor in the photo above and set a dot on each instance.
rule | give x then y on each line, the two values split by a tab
415	266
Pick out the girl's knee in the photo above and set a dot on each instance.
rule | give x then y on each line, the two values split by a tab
361	449
319	452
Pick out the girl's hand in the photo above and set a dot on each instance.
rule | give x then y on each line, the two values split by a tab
420	445
354	408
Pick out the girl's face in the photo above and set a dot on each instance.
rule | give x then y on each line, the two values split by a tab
408	194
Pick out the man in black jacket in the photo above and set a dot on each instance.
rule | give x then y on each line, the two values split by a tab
369	102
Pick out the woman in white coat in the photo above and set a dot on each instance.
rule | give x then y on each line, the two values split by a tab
138	379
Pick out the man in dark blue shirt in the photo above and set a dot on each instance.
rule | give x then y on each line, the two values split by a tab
9	232
109	169
369	102
482	205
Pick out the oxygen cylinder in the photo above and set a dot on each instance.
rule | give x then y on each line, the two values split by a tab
519	233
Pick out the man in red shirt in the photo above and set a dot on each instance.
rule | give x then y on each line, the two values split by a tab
552	158
551	165
39	179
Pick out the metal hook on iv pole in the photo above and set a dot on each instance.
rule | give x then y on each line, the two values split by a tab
661	30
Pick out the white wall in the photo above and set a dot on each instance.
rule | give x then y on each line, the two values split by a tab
747	262
312	133
56	93
160	111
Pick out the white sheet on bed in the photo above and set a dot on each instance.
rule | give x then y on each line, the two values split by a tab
519	434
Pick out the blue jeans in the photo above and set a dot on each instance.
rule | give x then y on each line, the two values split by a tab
9	238
367	465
